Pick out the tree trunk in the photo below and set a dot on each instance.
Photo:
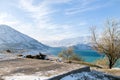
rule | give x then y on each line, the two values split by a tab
111	63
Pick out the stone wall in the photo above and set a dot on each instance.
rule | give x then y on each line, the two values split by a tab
113	77
84	69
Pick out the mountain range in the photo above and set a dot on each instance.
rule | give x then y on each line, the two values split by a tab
83	41
15	40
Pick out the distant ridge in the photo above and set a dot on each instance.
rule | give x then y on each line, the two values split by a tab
69	42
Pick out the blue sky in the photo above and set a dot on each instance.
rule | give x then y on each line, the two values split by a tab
47	20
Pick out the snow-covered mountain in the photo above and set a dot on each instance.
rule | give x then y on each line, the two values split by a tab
12	39
82	47
69	42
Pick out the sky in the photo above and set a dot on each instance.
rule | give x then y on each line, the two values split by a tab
47	20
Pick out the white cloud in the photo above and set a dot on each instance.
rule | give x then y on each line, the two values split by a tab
41	15
82	23
42	27
7	19
59	1
12	21
85	6
80	10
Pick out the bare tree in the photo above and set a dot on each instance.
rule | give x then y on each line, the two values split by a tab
69	55
108	42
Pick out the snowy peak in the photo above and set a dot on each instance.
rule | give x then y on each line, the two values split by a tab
69	42
9	35
11	38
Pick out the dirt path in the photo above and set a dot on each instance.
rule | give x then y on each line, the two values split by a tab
34	66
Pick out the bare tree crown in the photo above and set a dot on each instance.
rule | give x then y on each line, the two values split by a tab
108	41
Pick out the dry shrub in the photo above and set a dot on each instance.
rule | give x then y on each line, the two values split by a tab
102	62
69	55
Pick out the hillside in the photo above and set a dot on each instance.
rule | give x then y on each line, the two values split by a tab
13	39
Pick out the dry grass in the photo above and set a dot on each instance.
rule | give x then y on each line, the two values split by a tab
102	68
102	62
115	72
85	63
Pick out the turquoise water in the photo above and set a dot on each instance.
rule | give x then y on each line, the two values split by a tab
117	64
87	55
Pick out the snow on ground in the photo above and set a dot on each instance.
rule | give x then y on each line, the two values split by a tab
7	56
36	76
24	78
115	68
93	75
20	76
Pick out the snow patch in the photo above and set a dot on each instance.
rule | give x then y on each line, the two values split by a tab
93	75
24	78
7	57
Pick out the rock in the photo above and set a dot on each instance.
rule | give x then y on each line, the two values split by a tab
40	56
9	51
29	56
